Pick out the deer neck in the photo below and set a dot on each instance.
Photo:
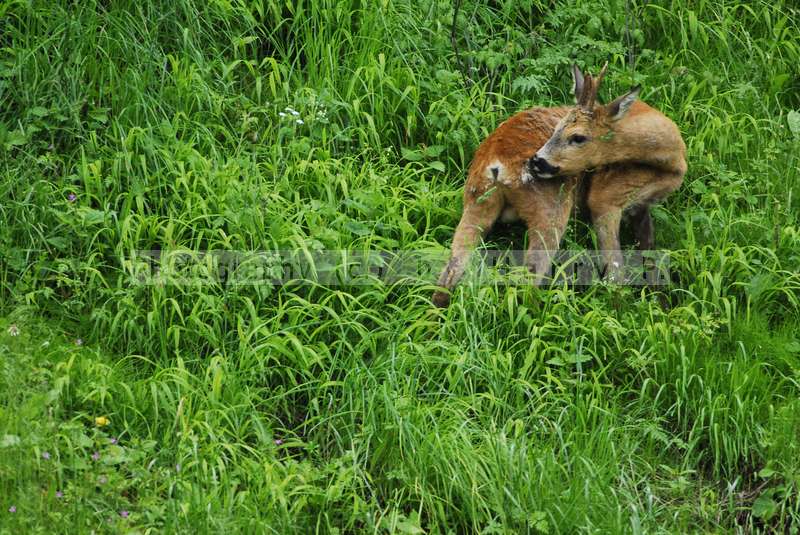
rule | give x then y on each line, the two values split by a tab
648	139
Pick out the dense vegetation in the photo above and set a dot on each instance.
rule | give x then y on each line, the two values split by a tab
262	125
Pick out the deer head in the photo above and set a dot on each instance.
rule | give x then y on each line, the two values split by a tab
587	136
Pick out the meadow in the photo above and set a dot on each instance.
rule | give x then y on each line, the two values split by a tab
258	125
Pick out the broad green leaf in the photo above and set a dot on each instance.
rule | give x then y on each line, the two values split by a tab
9	441
92	216
433	151
404	526
59	242
794	122
39	111
358	228
410	155
766	472
764	507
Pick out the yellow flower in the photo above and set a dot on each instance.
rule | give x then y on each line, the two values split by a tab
101	421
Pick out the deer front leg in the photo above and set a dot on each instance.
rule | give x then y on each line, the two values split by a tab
546	210
479	216
606	224
543	242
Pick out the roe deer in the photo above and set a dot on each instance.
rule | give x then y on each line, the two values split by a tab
641	147
501	185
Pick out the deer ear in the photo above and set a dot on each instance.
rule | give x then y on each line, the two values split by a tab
577	76
618	108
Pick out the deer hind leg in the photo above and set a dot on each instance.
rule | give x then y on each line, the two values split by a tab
606	223
476	221
657	186
642	223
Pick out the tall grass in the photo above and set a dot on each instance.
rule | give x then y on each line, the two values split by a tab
155	125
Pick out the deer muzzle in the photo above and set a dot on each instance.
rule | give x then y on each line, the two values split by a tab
541	168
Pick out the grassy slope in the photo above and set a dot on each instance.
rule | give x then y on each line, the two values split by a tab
517	409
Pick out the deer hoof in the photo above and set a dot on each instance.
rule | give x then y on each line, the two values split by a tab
441	299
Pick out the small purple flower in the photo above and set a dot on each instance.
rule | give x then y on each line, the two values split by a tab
96	456
46	455
59	494
12	509
102	480
113	440
79	342
278	442
72	197
124	514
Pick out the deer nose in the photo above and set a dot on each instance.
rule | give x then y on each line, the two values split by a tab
540	166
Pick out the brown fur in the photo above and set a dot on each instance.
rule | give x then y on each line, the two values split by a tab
498	185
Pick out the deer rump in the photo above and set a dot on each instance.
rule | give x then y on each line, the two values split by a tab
503	184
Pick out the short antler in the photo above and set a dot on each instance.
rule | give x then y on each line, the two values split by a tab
599	81
586	92
590	87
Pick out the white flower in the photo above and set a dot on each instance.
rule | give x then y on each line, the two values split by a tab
295	113
13	330
281	114
299	121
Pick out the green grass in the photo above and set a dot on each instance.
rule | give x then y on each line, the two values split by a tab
361	409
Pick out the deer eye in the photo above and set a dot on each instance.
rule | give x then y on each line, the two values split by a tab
577	139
